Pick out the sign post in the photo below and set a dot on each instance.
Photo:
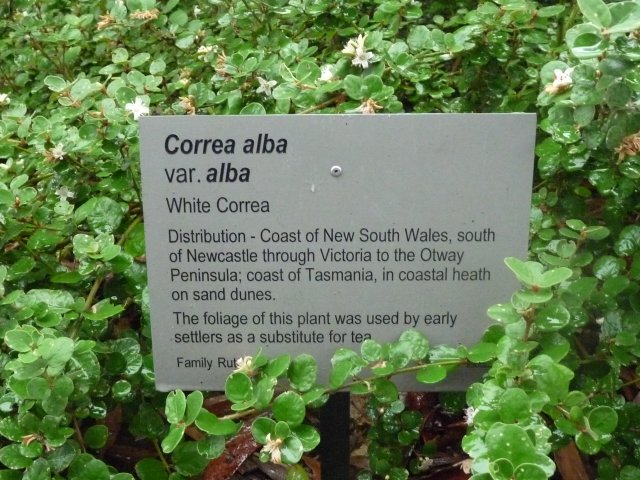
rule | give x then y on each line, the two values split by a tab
303	234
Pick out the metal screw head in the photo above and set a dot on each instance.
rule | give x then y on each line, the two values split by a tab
336	171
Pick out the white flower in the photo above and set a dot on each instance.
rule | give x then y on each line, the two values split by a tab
4	99
57	152
272	447
204	50
326	73
465	465
245	365
196	11
469	413
362	58
119	3
561	81
265	86
425	463
353	45
63	193
356	48
137	108
368	107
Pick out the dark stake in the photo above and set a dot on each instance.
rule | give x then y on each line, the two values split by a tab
334	432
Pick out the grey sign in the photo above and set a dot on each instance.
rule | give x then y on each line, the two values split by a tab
297	234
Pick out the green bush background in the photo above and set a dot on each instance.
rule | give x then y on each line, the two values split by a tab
73	309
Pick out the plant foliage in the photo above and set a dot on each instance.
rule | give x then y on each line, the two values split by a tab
75	77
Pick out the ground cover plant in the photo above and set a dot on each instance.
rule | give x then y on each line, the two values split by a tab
77	375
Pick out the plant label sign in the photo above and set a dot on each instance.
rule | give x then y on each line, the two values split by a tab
303	234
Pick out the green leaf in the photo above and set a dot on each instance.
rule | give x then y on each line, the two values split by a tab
504	313
261	427
281	430
608	266
175	406
602	420
551	377
512	442
297	472
19	340
211	447
289	407
238	387
353	87
371	350
531	296
38	470
285	91
103	309
173	438
416	343
150	469
211	424
596	11
44	239
344	363
529	471
102	214
526	272
514	406
552	317
277	366
625	17
81	89
419	38
253	108
482	352
187	461
303	372
431	374
308	436
554	277
96	436
586	443
11	457
586	41
193	406
56	352
157	66
555	346
55	84
307	72
384	390
501	468
292	450
119	55
628	241
38	388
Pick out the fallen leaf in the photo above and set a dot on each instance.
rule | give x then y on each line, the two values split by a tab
237	450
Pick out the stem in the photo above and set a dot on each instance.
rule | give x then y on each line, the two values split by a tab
252	12
75	329
348	386
76	426
163	460
567	24
332	101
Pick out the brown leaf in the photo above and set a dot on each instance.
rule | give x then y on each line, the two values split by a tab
237	450
113	422
218	405
570	464
313	465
